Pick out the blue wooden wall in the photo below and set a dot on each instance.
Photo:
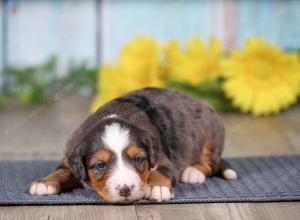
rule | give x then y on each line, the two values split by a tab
83	30
232	21
39	29
1	33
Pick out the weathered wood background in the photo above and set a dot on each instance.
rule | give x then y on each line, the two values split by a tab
94	30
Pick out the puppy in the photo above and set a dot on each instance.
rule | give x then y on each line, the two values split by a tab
139	146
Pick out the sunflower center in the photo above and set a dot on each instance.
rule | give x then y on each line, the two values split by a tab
262	73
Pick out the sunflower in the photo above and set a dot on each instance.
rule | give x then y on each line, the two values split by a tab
138	66
109	86
261	78
140	62
197	64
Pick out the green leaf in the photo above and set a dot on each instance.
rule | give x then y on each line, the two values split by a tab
211	92
35	84
2	101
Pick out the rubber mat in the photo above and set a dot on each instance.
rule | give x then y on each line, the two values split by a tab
259	179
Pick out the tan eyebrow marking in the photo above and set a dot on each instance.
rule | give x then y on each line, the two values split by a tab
101	154
133	150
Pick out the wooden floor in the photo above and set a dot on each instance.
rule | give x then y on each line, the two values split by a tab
40	133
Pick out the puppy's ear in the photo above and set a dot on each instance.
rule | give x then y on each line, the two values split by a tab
152	146
76	164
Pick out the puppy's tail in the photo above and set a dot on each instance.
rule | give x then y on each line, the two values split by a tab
226	171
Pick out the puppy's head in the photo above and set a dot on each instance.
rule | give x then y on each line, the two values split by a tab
115	161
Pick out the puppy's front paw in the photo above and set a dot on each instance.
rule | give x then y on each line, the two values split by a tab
42	187
160	193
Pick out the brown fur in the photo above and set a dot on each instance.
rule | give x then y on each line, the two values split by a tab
99	185
62	178
134	150
173	130
204	163
144	175
158	179
101	155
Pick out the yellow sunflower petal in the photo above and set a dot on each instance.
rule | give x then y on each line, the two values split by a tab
196	64
139	66
261	78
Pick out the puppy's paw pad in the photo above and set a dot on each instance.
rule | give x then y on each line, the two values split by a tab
160	193
192	175
41	188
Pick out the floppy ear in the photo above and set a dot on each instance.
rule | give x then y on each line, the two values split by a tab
76	165
152	146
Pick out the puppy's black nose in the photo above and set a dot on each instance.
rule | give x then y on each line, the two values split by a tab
125	191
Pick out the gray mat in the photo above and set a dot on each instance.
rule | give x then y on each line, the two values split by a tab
260	179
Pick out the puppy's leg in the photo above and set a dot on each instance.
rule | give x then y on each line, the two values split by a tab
209	163
226	171
160	186
59	180
198	172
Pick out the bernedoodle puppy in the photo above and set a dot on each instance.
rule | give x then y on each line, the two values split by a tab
139	146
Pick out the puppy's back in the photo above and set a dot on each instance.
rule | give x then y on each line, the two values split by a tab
185	124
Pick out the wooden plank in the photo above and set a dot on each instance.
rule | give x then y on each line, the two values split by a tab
40	132
232	21
248	136
288	210
222	211
217	20
230	24
67	212
124	20
289	125
270	20
245	136
68	28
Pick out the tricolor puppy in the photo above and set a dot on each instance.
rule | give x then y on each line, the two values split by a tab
139	146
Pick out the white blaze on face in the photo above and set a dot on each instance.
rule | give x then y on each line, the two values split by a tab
117	139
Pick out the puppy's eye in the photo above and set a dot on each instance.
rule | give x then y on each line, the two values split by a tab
138	159
101	166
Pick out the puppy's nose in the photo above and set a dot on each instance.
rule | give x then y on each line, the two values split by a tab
125	191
